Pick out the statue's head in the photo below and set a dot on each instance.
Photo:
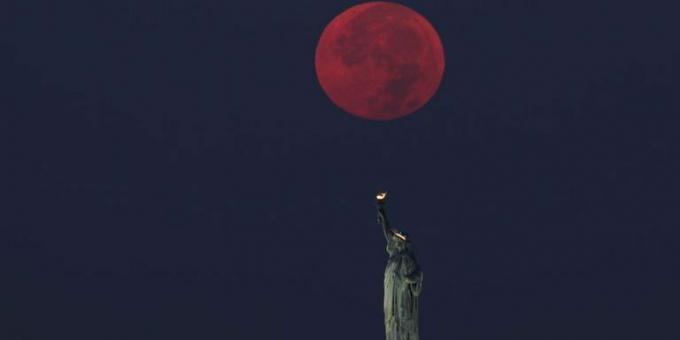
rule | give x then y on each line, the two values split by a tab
401	236
399	243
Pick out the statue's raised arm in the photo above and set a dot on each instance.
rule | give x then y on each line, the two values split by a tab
381	199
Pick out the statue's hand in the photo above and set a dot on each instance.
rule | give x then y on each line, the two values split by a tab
413	278
381	197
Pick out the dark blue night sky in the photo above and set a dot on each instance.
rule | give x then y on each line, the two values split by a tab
174	171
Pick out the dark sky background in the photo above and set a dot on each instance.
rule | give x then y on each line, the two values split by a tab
174	171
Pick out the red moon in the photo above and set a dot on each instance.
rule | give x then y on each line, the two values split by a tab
379	60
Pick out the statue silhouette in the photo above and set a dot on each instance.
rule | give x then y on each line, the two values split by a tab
403	281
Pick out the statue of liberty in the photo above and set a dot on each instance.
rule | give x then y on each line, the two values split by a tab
403	281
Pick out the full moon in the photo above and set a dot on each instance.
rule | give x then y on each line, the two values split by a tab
379	60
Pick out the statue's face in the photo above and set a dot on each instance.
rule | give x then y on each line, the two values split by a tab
399	243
